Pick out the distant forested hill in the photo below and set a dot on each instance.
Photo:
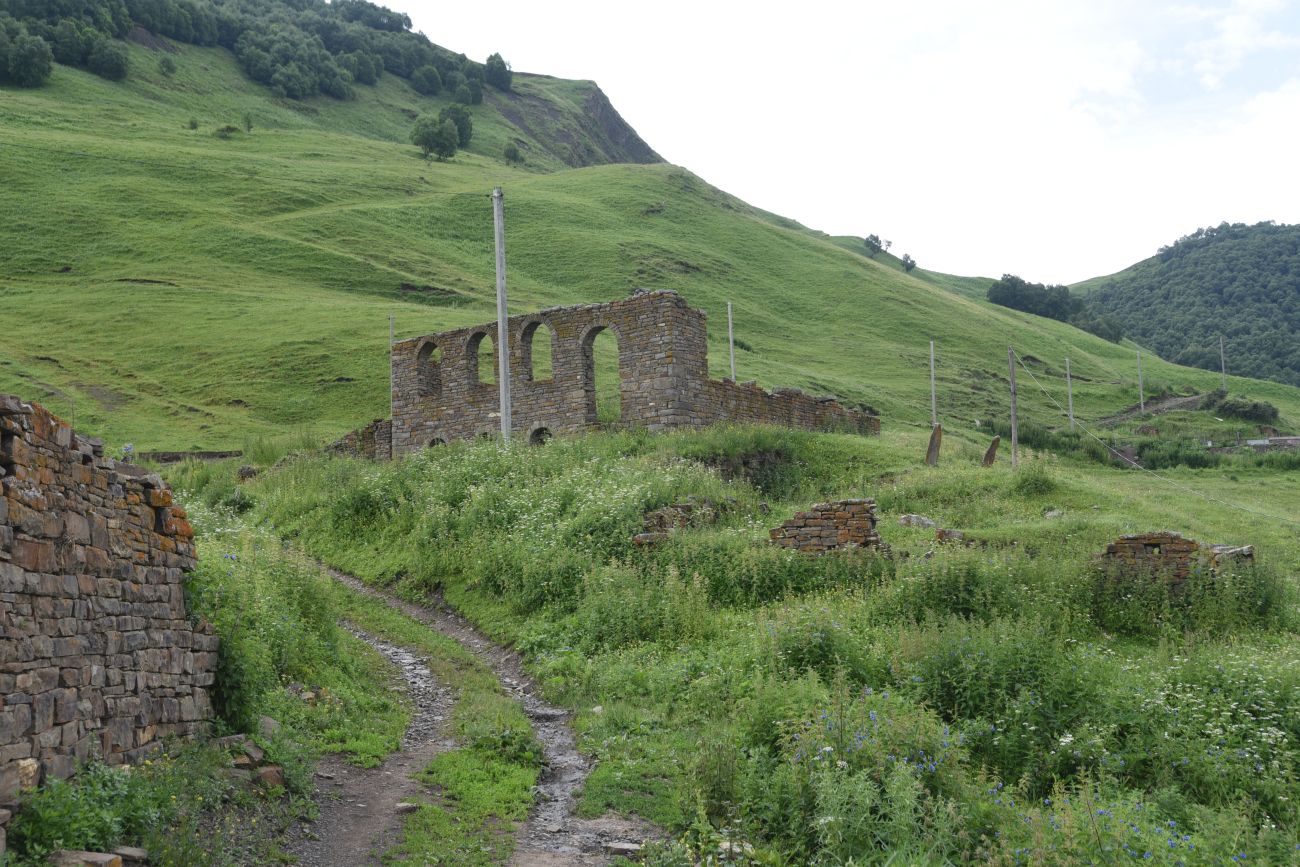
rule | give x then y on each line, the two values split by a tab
1236	280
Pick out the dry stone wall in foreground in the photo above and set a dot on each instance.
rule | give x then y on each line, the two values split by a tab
97	653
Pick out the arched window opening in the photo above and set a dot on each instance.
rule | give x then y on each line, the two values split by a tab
436	441
539	436
538	345
428	364
482	359
602	378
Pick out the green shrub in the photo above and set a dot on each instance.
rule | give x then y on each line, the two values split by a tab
512	154
167	66
1034	480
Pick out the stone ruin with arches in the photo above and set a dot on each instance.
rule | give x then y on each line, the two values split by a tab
441	394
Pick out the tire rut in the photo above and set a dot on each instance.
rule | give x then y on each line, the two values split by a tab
358	818
552	834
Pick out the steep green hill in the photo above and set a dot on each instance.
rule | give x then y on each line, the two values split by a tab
1236	281
175	289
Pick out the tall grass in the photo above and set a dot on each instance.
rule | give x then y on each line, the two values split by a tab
945	704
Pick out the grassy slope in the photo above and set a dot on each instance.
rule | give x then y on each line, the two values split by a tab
281	252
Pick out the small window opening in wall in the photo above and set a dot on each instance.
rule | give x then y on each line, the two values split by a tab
483	359
429	365
6	449
602	378
539	351
436	441
539	436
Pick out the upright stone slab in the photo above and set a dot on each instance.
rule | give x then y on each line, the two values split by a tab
97	652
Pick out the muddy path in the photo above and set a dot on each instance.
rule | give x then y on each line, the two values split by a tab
359	817
552	835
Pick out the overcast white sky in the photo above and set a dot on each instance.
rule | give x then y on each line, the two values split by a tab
1055	140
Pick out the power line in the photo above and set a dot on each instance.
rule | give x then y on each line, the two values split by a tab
1184	488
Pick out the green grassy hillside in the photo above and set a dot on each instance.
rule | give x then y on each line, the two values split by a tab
184	290
1238	282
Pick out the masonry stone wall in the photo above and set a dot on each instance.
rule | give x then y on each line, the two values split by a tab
1169	556
97	653
827	526
663	370
373	441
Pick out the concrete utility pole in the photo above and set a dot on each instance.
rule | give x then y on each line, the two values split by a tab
1015	432
731	343
1142	398
934	406
1223	365
503	333
1069	390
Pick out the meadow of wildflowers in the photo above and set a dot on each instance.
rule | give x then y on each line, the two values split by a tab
1002	703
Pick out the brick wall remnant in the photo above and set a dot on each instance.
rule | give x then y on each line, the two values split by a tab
828	526
97	652
1169	556
438	395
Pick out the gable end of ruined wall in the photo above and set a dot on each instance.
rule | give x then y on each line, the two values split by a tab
98	655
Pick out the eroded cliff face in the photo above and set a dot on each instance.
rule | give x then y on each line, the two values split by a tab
580	127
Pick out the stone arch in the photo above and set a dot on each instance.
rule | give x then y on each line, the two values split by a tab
593	391
436	441
428	365
540	436
474	353
538	357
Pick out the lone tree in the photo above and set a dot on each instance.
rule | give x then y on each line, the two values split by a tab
497	72
436	136
908	263
873	245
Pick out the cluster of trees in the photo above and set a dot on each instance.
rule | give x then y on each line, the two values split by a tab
874	246
443	134
25	59
29	47
1054	302
299	48
1238	281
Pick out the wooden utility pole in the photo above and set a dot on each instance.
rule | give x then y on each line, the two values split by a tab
934	410
1223	366
1069	391
1142	398
503	332
1015	431
731	343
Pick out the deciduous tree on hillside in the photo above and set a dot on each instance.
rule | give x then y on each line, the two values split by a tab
908	263
459	115
436	136
30	61
426	80
873	245
497	72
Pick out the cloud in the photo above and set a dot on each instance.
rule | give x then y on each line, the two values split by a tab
1060	140
1241	31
